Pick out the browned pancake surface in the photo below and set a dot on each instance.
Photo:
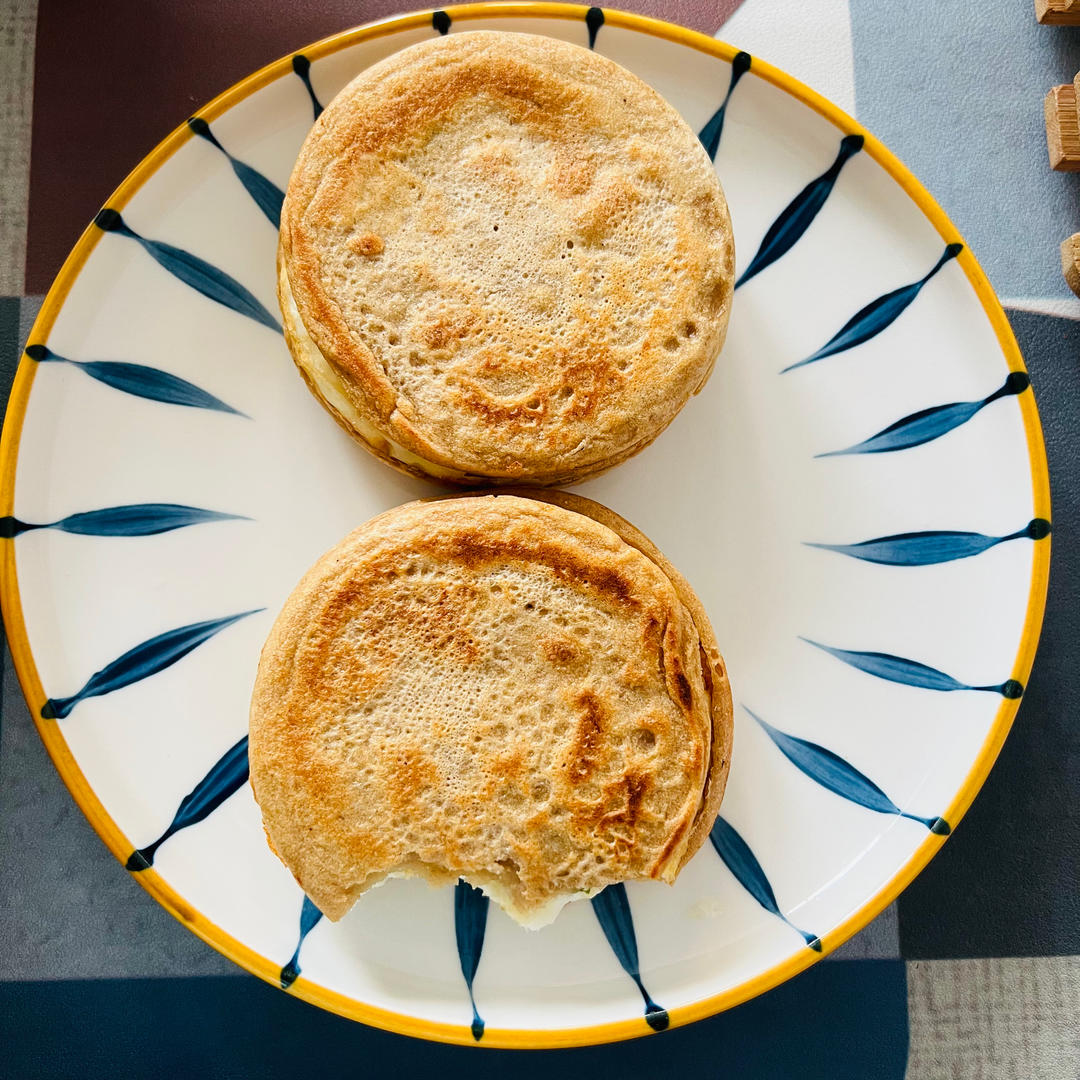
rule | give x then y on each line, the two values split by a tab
514	255
493	688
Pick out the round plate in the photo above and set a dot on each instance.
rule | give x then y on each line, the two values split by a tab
859	496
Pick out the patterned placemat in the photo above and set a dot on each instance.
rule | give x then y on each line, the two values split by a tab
973	973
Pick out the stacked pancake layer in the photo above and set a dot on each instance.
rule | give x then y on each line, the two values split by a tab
503	258
521	693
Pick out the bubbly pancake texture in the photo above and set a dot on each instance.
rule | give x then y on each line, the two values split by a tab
508	256
495	688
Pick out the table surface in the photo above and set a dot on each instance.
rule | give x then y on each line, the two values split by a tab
973	973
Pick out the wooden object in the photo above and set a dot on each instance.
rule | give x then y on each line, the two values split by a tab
1063	128
1058	12
1070	262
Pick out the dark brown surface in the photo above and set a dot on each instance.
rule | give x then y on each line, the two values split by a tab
112	78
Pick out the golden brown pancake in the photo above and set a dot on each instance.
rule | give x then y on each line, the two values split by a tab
503	258
521	693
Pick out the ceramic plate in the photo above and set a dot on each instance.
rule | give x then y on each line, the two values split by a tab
859	497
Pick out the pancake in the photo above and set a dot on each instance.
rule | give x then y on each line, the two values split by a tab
503	258
518	691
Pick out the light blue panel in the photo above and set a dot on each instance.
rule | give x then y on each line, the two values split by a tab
878	941
956	91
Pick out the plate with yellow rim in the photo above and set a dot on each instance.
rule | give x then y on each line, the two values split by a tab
859	497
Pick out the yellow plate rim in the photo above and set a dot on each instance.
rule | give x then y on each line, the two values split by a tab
401	1023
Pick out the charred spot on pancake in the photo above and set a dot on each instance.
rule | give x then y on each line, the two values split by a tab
475	549
583	758
628	796
683	690
562	651
366	244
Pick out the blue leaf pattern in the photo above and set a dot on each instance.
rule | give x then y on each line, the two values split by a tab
227	776
11	527
711	132
470	923
200	275
879	314
911	673
267	195
935	546
309	918
612	909
440	21
301	65
740	860
594	19
138	519
832	772
141	662
139	380
786	231
928	424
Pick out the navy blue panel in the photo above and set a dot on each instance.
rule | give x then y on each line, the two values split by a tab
989	892
9	345
841	1021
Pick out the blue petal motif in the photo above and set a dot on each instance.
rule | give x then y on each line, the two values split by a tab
796	217
927	424
228	775
440	21
613	911
832	772
200	275
911	672
711	132
301	65
139	380
141	662
879	314
267	195
138	519
594	19
936	546
740	860
470	923
309	917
